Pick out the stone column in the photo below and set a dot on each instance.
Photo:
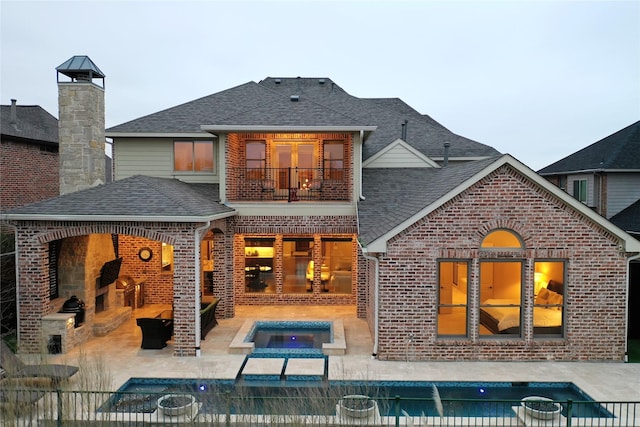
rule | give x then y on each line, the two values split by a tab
81	135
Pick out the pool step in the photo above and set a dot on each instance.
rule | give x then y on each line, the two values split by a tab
280	368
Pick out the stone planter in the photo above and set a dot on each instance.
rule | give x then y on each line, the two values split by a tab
357	406
176	404
541	408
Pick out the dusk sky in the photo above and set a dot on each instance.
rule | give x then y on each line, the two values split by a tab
536	79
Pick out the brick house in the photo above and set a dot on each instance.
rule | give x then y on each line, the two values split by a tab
292	192
605	176
29	143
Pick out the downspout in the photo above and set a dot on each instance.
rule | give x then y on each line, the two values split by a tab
360	179
626	309
198	283
376	299
17	275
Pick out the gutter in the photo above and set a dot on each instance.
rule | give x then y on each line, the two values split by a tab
376	299
626	317
103	218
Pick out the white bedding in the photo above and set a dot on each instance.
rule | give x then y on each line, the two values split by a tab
509	317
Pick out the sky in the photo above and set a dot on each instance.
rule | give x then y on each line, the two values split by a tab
536	79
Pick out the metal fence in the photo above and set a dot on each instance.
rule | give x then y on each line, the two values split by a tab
36	407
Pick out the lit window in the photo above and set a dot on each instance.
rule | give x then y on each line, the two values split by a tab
500	298
501	239
193	156
336	264
167	257
549	296
452	297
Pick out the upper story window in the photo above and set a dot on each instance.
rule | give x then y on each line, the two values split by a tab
256	159
193	156
580	190
333	162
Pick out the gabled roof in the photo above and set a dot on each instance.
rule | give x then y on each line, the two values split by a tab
33	124
321	104
394	195
617	152
395	199
137	198
628	219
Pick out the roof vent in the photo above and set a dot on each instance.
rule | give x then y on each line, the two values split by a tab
321	81
295	98
278	81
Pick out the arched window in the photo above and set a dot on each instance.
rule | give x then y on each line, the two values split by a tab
502	239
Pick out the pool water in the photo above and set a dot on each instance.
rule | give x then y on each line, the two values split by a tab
489	399
290	335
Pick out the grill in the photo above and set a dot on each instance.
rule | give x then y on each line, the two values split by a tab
128	286
74	305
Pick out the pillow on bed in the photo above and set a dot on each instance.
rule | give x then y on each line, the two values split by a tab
555	299
543	297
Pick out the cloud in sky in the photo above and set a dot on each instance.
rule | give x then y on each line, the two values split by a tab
536	79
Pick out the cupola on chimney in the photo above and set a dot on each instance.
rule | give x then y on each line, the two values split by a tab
81	124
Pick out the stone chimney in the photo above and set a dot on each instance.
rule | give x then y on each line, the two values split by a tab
81	125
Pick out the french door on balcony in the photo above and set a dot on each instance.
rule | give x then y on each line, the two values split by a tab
294	164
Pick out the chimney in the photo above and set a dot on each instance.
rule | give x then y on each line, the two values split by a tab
445	161
404	130
81	125
14	113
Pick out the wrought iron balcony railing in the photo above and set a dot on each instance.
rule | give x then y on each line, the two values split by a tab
290	184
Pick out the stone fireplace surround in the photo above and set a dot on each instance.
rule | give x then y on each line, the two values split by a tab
79	263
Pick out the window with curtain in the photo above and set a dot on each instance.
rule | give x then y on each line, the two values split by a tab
333	161
256	159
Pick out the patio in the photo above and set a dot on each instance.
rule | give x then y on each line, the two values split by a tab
121	354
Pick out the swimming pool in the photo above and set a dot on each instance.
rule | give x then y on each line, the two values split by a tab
464	399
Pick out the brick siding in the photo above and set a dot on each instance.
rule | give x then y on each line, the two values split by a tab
595	289
28	174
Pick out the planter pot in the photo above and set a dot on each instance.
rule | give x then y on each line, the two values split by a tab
357	406
541	408
176	404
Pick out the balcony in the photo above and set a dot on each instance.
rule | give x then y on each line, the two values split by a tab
288	184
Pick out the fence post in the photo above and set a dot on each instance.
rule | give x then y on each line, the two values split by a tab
569	411
59	416
397	410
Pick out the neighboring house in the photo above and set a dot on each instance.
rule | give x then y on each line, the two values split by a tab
606	177
28	155
28	173
292	192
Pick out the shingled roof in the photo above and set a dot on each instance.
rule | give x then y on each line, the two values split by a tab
629	219
617	152
393	195
33	124
319	102
139	198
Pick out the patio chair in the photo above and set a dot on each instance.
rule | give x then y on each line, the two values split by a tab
15	368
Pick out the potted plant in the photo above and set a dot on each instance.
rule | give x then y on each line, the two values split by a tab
540	407
357	406
176	404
